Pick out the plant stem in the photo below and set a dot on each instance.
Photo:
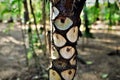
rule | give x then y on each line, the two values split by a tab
32	11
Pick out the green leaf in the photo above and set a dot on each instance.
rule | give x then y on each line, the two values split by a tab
89	62
5	11
14	2
104	75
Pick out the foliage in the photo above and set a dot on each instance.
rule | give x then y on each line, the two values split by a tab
93	13
11	8
104	13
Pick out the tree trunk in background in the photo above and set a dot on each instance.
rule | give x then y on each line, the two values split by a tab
26	14
97	7
97	4
86	19
65	32
44	26
86	24
110	15
26	19
87	33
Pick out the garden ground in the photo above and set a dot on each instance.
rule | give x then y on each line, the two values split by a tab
102	54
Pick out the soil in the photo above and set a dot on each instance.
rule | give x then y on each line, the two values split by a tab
101	53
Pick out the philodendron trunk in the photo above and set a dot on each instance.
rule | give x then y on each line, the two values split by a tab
65	19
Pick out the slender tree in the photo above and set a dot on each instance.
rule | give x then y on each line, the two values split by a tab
86	23
26	19
26	13
34	17
97	8
110	13
65	32
97	4
23	36
30	32
44	24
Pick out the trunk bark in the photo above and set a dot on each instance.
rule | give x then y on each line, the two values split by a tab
66	21
44	26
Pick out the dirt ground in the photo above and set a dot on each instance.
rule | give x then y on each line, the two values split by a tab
102	54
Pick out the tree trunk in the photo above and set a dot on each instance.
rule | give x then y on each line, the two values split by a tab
110	15
26	19
96	8
97	4
26	14
65	32
86	24
44	25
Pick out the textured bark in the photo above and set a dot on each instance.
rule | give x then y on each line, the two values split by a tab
65	33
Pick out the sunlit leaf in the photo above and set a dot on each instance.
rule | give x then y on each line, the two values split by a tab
89	62
104	76
29	55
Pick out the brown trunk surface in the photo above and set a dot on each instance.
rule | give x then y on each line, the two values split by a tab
65	33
